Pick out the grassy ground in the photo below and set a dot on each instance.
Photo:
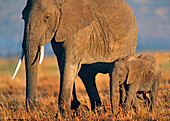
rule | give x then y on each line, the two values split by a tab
12	94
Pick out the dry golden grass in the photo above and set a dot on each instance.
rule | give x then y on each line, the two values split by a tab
12	94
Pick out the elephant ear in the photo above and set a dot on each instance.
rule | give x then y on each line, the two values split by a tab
135	73
75	15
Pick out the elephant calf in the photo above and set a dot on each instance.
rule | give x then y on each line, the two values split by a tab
136	74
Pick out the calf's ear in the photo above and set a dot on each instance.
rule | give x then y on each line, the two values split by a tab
135	71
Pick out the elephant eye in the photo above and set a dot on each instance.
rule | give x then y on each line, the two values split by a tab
46	18
120	75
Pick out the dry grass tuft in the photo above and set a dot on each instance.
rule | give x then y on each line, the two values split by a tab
12	95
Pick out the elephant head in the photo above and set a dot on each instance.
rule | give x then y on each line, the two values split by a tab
128	68
41	24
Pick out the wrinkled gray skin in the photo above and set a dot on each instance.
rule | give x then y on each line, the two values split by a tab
136	75
82	32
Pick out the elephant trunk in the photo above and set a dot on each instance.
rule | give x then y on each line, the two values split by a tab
31	65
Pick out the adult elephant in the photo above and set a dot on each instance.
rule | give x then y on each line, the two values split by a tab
85	31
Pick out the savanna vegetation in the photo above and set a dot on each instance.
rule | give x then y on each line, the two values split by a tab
12	94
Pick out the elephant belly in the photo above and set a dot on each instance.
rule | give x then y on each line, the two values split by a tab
100	67
144	88
93	44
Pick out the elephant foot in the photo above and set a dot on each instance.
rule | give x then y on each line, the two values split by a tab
125	109
82	111
152	109
63	114
75	104
30	106
121	104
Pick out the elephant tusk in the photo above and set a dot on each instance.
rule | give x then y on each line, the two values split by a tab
41	54
18	64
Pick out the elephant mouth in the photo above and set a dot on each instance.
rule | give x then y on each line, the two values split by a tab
41	57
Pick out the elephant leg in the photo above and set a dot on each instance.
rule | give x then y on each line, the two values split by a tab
92	91
131	96
88	78
153	96
146	99
68	75
136	105
122	94
74	103
59	52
